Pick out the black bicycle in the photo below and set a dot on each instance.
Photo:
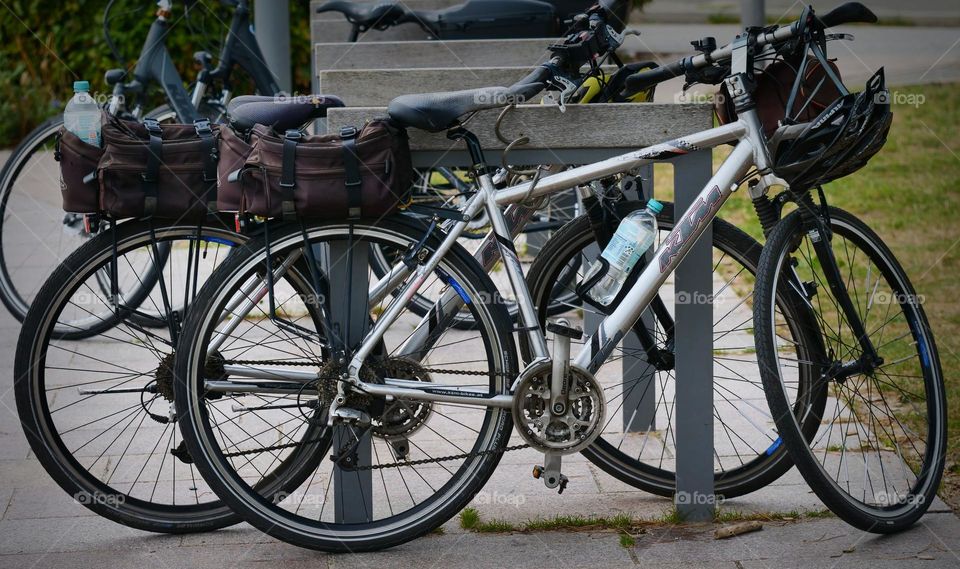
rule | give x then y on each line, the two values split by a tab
35	234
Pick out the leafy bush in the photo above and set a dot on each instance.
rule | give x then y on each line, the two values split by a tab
47	45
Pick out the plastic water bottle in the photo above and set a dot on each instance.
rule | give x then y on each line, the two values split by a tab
82	115
634	236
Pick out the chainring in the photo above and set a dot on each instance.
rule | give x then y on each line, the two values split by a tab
568	433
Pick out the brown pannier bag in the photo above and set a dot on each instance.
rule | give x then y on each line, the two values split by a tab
78	173
356	173
152	170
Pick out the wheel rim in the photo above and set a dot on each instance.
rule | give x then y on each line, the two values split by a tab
114	446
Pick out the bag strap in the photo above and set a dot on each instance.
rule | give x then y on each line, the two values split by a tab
208	148
151	175
288	174
351	163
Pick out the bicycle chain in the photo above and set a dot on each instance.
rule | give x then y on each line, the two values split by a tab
498	450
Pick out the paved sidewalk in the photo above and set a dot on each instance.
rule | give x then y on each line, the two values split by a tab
40	526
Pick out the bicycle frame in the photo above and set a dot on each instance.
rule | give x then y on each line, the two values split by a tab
155	64
750	151
240	48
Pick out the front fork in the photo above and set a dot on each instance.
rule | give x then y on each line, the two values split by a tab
815	223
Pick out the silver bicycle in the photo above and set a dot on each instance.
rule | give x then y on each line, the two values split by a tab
420	411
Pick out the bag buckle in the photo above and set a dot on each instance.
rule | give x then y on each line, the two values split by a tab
293	134
153	126
202	126
348	132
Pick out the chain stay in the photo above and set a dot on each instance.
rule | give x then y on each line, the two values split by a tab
498	450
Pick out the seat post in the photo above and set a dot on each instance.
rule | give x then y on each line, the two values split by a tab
473	147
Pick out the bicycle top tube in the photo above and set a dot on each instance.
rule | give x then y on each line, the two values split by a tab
623	163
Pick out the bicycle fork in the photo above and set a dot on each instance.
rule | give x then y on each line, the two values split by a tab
817	228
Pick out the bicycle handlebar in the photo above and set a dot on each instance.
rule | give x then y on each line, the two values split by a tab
535	81
851	12
589	40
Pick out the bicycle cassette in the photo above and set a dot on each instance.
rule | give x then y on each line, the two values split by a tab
564	433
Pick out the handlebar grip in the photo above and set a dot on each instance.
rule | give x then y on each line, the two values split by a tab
533	83
646	79
851	12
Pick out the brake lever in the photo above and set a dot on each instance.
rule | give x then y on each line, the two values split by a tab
844	37
566	88
615	39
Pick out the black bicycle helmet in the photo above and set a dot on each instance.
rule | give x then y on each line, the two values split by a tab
838	142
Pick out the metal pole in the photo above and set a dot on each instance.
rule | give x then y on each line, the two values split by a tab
694	353
752	13
273	33
349	314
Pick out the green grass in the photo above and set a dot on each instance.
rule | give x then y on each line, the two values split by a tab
469	518
910	195
624	524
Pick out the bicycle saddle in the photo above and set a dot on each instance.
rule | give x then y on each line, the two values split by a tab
244	99
435	112
281	114
474	19
367	16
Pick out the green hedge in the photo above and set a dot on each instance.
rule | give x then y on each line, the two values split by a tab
47	45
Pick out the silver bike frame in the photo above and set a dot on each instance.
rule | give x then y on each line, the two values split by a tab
750	151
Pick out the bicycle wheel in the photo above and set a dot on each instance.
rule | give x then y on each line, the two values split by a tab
638	443
428	459
98	414
878	456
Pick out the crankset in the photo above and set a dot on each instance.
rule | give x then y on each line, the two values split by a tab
557	408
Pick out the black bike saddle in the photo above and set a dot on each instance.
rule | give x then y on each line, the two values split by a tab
474	19
367	15
489	19
282	114
435	112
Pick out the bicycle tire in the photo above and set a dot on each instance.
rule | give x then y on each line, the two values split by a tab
885	515
313	532
58	441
